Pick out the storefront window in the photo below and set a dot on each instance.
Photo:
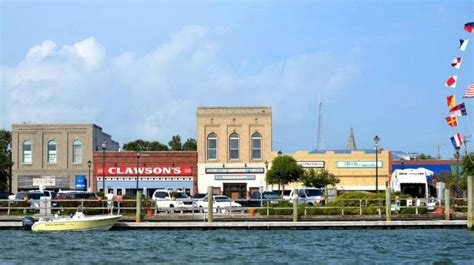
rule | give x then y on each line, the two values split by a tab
234	146
212	146
256	146
52	151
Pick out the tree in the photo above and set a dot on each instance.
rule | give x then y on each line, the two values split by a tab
190	145
424	157
175	143
284	170
5	159
141	145
320	179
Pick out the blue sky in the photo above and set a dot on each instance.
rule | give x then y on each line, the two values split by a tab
140	69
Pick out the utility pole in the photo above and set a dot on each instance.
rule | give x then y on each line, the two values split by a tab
466	139
438	147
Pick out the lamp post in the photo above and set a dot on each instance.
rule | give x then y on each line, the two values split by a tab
376	143
104	146
457	161
89	163
138	167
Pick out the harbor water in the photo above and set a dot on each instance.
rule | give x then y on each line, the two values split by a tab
421	246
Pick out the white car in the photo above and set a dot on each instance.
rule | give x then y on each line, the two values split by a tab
172	201
309	196
220	204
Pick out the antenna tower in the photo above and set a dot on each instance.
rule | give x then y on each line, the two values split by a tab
320	145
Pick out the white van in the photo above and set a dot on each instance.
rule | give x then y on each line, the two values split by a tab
309	196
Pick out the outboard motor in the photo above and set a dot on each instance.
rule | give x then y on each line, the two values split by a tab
27	222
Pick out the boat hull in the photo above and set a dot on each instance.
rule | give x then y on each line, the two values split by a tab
84	224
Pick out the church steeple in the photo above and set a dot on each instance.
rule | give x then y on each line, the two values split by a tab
351	143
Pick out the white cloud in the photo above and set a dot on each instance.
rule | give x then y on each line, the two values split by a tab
155	95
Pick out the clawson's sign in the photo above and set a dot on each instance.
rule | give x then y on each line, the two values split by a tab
146	171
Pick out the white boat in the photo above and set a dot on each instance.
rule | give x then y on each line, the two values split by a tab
78	222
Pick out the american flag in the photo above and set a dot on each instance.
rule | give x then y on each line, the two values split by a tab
469	93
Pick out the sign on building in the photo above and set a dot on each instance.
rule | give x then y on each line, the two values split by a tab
224	170
311	164
45	181
234	177
358	164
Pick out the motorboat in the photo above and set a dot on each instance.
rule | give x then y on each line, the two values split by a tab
77	222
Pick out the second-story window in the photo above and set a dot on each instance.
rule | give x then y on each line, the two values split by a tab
256	146
27	152
52	155
77	152
234	146
212	146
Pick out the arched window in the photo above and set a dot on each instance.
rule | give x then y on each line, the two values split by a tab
212	146
52	155
77	152
234	146
256	146
27	152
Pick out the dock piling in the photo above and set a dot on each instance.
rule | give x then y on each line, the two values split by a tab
388	204
139	207
210	207
447	203
470	202
295	205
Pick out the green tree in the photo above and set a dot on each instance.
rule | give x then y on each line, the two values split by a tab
157	146
319	179
5	158
284	170
424	157
190	145
141	145
175	143
457	186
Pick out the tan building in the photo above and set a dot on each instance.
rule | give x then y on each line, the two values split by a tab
55	156
356	169
234	147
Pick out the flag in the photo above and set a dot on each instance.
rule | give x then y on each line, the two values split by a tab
452	121
456	140
451	82
469	27
469	92
458	110
456	62
451	101
463	44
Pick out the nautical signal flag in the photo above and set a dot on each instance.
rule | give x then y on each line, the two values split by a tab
456	62
458	110
451	82
451	101
452	121
463	44
456	140
469	92
469	27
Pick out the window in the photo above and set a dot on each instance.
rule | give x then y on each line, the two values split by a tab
27	152
256	146
52	151
234	146
212	146
77	152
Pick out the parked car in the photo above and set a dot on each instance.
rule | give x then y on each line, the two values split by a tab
309	196
260	199
172	201
4	195
220	204
34	197
198	196
76	195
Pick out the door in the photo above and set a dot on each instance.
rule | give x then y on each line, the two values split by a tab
235	190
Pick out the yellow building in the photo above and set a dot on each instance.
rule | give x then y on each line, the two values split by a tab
355	169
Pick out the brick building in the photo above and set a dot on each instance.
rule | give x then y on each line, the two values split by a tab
156	170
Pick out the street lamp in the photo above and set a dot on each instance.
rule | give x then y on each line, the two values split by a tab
376	143
89	163
104	146
457	161
266	165
138	167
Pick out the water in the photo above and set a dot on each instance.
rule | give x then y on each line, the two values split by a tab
449	246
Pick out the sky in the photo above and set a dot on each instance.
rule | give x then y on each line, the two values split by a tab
140	69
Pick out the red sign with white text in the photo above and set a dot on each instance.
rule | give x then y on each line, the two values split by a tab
146	171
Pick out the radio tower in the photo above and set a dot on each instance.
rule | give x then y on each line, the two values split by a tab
320	145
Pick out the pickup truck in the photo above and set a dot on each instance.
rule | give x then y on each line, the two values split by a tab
309	196
258	199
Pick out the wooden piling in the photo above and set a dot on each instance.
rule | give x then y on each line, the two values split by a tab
210	207
295	205
470	202
447	203
388	204
139	207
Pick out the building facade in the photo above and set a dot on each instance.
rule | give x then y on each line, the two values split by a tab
234	147
169	170
356	170
55	156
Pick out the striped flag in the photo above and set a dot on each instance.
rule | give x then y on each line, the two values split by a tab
452	121
469	92
463	44
458	110
451	82
456	140
456	62
469	27
451	101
